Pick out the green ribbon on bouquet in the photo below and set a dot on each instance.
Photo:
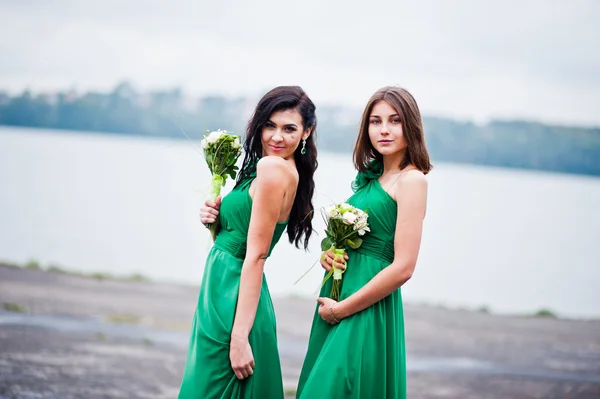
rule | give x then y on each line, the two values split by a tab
336	273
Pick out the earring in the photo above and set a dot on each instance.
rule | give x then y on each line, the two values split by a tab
303	150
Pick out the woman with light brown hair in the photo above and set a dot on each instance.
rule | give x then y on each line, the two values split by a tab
356	347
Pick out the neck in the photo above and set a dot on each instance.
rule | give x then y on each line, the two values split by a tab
391	162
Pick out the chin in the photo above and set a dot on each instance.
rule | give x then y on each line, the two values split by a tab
386	150
277	154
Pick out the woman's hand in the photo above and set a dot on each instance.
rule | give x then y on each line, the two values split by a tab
241	357
327	310
328	258
210	211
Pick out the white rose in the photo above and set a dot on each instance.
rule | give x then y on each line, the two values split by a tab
204	144
236	143
213	137
349	218
362	232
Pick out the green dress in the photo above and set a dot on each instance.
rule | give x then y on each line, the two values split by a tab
364	355
208	373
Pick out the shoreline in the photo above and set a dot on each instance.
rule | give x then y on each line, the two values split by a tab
32	264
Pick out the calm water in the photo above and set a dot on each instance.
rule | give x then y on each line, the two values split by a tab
514	241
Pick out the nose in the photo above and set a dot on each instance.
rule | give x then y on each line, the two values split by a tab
384	128
277	136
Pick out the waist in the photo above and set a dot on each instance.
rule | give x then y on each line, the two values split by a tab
377	249
233	244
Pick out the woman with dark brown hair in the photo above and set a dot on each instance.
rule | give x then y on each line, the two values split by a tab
233	346
356	347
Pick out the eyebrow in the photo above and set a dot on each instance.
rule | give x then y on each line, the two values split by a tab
286	125
377	116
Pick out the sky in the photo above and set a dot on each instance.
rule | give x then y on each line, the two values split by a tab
464	59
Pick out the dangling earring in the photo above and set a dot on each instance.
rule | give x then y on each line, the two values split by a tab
303	150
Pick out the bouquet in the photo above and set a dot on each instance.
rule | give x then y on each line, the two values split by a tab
345	225
221	151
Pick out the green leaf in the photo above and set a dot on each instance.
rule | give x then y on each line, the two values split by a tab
326	244
355	243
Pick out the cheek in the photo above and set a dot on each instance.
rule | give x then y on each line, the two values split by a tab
373	135
398	132
372	130
265	136
292	140
402	140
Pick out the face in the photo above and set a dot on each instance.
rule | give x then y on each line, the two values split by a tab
282	133
385	129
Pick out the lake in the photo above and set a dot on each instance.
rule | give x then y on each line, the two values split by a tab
514	241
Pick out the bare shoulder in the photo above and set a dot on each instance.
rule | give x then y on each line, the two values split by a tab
416	177
412	183
274	170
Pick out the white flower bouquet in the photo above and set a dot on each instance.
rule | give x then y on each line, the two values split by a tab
221	151
345	225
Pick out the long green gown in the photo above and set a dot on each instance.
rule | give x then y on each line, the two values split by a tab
208	373
364	355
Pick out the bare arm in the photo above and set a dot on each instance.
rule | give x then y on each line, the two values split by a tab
411	196
269	194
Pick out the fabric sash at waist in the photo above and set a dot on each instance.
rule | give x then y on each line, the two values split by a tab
231	243
377	249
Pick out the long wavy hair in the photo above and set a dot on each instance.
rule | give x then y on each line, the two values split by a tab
412	129
284	98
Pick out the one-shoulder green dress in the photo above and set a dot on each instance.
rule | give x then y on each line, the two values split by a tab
364	355
208	373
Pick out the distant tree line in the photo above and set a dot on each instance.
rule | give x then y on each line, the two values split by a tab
518	144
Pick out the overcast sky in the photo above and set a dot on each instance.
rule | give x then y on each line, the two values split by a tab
464	59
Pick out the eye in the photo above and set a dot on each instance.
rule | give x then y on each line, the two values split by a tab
269	125
395	120
375	121
290	129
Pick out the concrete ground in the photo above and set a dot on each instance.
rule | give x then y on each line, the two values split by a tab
63	336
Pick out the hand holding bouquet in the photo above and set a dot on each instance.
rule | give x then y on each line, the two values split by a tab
345	225
221	151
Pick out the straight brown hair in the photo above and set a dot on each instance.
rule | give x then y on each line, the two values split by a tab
412	129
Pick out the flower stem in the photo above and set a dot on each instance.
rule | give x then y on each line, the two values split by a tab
215	190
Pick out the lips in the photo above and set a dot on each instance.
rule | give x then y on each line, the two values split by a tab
276	148
385	141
